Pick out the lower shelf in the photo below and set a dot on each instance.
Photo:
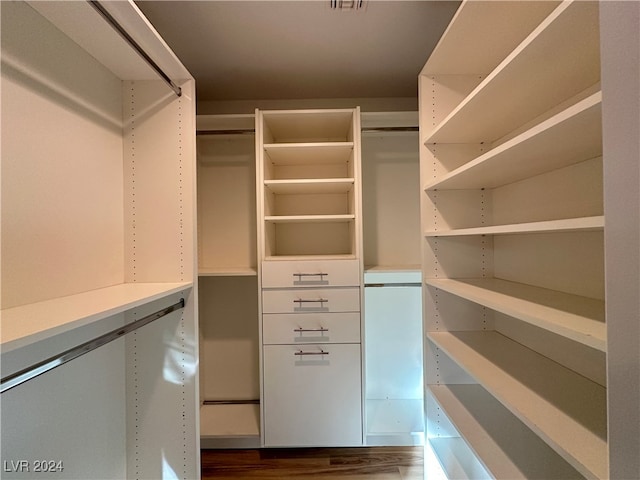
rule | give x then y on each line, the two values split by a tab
455	460
505	446
230	425
565	409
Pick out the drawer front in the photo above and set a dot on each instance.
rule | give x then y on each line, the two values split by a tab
312	396
310	273
284	328
311	300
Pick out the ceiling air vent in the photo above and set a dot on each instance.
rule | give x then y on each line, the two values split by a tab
348	5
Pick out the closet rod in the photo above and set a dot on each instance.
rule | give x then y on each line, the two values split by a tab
393	284
129	39
50	363
240	131
389	129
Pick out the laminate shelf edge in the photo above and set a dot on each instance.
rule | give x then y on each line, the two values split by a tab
27	324
308	186
584	224
489	428
227	272
577	318
308	153
550	52
563	408
309	218
573	135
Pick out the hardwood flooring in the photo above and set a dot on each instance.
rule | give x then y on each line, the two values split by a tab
363	463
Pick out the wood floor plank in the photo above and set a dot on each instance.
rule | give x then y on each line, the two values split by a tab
371	463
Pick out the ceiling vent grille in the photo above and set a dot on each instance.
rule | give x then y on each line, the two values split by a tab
348	5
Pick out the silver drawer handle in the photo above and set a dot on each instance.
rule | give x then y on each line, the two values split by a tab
300	301
300	329
300	353
300	275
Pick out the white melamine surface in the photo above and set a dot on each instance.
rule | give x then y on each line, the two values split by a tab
309	153
29	323
304	328
230	420
286	126
314	273
578	318
310	300
544	80
565	409
310	218
573	135
506	447
309	186
227	272
453	455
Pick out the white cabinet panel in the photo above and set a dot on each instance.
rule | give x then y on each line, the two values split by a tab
282	328
313	273
312	395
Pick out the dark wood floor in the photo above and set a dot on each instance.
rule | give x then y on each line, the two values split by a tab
366	463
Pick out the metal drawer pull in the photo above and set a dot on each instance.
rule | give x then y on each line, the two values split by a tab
300	301
300	329
300	353
300	275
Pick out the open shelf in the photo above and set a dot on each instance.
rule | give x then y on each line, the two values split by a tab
565	409
30	323
573	135
578	318
490	429
310	186
230	420
310	218
454	458
298	126
585	224
571	33
306	153
227	272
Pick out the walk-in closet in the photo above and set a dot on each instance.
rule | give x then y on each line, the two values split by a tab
354	239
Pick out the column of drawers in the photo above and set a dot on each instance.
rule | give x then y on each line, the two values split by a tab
312	391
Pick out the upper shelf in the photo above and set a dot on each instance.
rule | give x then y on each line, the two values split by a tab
482	34
309	153
306	186
565	409
578	318
558	60
573	135
28	324
302	126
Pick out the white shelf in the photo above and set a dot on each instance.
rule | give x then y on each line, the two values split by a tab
565	409
309	218
470	43
392	268
308	153
230	420
308	125
543	80
310	186
453	455
573	135
489	429
584	224
578	318
27	324
227	272
288	258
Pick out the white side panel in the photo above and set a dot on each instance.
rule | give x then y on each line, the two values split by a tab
620	28
162	413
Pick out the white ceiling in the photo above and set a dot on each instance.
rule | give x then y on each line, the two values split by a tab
246	50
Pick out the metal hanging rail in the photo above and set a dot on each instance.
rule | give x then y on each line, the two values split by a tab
388	129
129	39
393	284
50	363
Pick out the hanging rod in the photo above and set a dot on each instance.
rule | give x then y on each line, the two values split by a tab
393	284
129	39
253	401
50	363
389	129
239	131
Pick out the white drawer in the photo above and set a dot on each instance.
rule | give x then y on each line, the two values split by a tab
311	273
311	300
312	395
284	328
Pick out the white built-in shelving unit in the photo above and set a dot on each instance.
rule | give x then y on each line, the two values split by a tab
98	230
228	281
513	250
310	274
